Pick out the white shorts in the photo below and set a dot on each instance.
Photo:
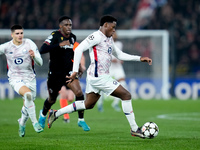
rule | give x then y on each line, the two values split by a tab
17	84
104	83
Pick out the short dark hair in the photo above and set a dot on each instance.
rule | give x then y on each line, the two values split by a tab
16	27
63	18
107	18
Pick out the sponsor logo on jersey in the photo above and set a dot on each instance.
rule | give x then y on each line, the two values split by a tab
18	61
68	46
109	50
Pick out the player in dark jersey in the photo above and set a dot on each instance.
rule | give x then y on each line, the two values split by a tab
59	45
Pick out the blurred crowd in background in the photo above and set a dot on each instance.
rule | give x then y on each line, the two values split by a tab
180	18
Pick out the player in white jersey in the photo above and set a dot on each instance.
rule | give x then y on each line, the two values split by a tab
101	47
117	72
21	54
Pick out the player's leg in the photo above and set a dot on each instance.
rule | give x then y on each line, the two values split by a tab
30	107
22	121
89	103
27	89
116	101
64	95
16	85
76	88
24	116
127	108
54	87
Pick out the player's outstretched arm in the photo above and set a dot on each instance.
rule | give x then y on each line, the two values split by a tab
146	59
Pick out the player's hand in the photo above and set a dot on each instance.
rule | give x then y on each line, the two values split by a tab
146	59
72	77
32	54
63	43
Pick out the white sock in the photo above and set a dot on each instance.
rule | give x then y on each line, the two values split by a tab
128	111
80	119
75	106
30	107
24	116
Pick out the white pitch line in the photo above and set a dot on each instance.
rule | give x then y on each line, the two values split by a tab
181	116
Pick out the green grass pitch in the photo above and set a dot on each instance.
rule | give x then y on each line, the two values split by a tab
178	122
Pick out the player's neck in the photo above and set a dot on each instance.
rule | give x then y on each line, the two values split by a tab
17	43
65	35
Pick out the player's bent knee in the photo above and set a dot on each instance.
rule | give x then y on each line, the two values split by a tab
28	96
78	93
129	96
126	96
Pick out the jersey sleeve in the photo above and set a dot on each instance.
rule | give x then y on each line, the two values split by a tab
48	44
2	48
37	59
87	43
124	56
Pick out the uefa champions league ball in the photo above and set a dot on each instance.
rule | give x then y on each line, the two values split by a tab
150	130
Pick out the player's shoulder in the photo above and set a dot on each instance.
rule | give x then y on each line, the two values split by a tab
55	33
95	36
97	33
27	40
73	35
5	45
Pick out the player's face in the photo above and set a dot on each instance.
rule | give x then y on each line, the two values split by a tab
17	36
110	29
66	27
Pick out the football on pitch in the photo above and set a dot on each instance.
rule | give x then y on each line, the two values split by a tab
150	130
